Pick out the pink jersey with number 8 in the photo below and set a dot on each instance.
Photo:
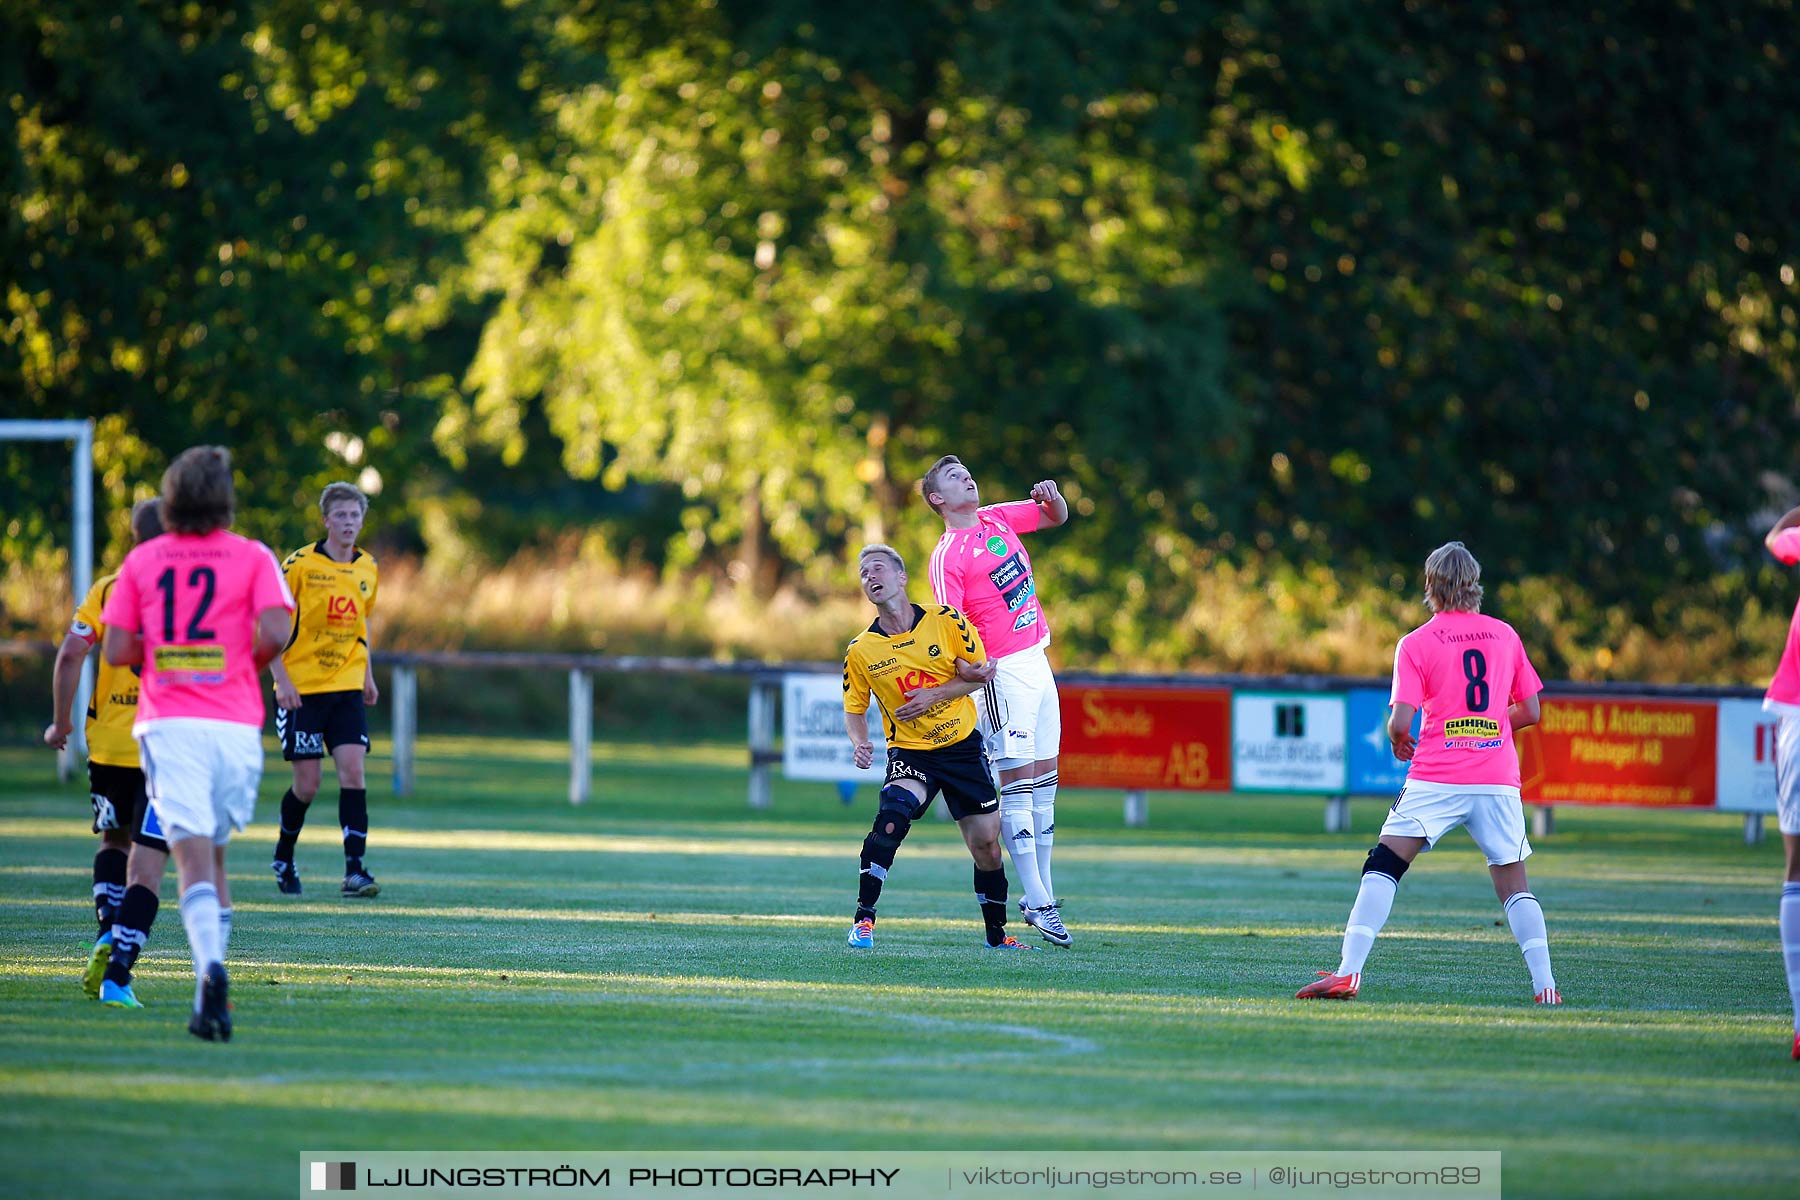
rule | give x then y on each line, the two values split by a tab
1463	670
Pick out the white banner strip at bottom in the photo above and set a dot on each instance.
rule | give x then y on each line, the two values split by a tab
910	1175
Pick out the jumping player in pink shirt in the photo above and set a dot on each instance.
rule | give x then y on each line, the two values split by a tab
201	611
1783	699
980	567
1477	688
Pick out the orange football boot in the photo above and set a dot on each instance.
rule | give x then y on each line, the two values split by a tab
1331	987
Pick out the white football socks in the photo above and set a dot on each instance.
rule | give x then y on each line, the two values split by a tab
1526	916
1374	901
1043	811
224	933
1020	836
200	917
1790	944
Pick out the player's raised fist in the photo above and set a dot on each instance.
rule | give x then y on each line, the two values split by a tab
1044	491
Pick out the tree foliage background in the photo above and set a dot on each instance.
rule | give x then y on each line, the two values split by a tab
1283	293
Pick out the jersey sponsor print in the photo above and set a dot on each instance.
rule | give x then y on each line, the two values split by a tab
985	573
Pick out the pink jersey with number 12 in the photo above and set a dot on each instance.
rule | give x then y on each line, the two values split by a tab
1463	670
985	573
195	602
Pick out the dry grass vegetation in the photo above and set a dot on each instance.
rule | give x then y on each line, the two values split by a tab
1255	617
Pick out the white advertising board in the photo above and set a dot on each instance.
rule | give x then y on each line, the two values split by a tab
1288	742
813	742
1746	757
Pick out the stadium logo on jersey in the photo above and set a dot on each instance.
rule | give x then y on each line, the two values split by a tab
996	546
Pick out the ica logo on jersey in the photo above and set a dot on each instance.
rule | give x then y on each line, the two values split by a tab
915	680
341	608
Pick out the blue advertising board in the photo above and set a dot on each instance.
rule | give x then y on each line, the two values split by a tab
1374	771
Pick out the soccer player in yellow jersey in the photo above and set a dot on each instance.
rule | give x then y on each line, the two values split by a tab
325	681
126	880
922	665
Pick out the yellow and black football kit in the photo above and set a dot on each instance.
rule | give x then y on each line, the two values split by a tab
329	649
893	667
113	707
115	782
328	653
940	750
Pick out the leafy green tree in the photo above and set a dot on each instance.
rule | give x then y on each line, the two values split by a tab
212	213
785	278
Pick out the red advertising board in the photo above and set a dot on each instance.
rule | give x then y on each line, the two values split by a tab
1146	738
1601	750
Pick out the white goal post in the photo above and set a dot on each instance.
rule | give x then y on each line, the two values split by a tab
81	556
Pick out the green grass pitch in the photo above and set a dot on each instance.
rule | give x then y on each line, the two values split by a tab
665	968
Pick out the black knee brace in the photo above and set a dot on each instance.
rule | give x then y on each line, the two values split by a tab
1384	861
896	810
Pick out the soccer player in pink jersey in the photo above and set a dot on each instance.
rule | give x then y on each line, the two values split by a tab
980	567
1783	699
1477	688
201	611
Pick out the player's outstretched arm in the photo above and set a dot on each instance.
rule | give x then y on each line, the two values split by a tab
287	696
63	678
1400	734
1524	713
1789	520
123	647
272	625
922	701
1053	508
861	749
977	673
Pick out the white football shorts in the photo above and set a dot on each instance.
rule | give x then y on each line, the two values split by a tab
1787	773
1493	816
201	775
1020	714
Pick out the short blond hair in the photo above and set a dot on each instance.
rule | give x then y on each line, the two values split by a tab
928	483
881	548
337	493
1452	579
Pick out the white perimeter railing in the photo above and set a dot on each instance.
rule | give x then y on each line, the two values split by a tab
765	683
